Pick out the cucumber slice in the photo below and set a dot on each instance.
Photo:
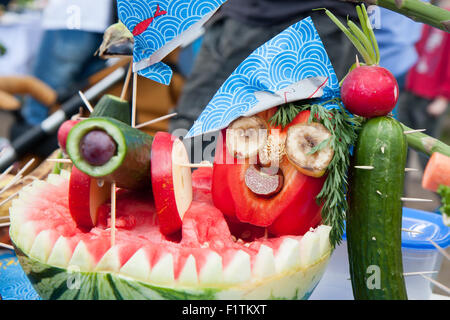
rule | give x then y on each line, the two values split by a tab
112	107
129	168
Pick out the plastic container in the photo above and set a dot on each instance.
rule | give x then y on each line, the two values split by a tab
419	255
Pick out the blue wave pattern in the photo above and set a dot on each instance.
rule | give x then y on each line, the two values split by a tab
181	14
295	54
14	284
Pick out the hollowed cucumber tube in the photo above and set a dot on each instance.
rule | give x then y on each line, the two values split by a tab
129	167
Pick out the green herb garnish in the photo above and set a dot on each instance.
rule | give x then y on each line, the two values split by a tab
344	133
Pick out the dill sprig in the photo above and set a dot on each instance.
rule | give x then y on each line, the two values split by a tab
344	133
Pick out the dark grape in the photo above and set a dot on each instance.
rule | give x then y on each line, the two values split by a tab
97	147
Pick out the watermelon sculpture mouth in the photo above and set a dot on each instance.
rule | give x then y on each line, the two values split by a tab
204	261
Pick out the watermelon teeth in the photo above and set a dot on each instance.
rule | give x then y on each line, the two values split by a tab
217	263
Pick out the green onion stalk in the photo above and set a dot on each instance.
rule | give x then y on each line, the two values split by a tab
422	142
415	9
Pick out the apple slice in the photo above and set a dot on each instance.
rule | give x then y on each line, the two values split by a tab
171	181
86	195
63	132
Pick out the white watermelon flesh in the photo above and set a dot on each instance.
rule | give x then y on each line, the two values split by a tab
204	261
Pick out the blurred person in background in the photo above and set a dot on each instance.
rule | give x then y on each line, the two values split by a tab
73	31
424	102
397	36
241	26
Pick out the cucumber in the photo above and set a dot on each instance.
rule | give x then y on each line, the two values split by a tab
129	167
112	107
374	218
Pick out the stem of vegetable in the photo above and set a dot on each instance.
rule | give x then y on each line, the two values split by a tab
350	36
365	40
57	167
424	143
417	10
371	33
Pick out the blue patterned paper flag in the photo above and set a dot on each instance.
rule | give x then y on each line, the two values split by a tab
159	27
14	284
292	66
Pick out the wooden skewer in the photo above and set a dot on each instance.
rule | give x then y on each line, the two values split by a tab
413	131
416	200
86	101
18	176
6	224
60	160
4	218
412	231
13	195
8	170
365	167
156	120
127	81
113	214
411	169
436	283
6	246
133	106
418	273
407	274
442	251
196	165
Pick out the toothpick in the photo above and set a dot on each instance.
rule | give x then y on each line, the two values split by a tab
18	176
411	169
60	160
8	170
202	164
436	283
6	246
113	214
13	195
357	62
4	218
86	101
412	231
127	81
412	131
416	200
6	224
133	107
156	120
419	273
365	167
407	274
442	251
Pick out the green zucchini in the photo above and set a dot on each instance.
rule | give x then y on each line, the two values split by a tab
129	167
112	107
374	218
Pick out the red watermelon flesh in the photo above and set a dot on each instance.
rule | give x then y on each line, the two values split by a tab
205	229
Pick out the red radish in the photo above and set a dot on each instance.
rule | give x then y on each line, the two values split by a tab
63	132
437	172
86	195
171	182
370	91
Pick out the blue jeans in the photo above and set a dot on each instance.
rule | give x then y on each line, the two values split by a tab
65	58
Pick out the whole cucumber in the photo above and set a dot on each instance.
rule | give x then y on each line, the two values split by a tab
374	219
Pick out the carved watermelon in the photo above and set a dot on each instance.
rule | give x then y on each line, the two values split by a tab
203	262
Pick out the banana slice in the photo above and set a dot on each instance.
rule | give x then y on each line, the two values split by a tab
273	151
246	136
301	139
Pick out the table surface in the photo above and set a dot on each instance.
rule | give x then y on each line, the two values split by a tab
14	285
